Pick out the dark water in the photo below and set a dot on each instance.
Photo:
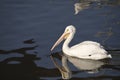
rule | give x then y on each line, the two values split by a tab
29	28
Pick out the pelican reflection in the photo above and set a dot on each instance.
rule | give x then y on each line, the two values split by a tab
89	66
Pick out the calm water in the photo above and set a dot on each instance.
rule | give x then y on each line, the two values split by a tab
29	28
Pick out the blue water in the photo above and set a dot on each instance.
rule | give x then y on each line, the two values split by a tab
29	28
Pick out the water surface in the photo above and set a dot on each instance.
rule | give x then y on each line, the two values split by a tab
29	28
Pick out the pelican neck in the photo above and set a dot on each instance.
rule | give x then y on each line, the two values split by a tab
67	41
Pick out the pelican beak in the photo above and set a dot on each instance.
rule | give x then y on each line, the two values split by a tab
64	36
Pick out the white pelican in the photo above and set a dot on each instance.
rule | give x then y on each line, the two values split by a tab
85	49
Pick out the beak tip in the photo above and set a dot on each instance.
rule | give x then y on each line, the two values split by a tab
51	49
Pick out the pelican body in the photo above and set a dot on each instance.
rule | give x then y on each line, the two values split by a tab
86	49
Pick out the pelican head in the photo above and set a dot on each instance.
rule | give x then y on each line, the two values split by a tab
68	31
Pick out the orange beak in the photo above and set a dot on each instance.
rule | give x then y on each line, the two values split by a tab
64	36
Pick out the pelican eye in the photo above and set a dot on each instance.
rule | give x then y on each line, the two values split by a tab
67	30
89	55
